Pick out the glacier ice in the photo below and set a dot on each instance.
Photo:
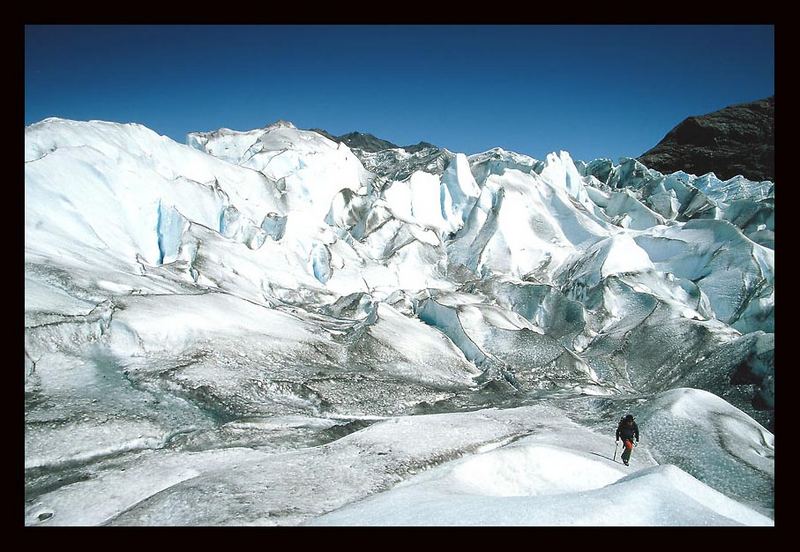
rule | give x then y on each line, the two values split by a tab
691	428
288	326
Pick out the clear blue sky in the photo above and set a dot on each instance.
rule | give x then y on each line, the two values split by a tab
595	91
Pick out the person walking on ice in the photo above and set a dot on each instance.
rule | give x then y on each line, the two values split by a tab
627	430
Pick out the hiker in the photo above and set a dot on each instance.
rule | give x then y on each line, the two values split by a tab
627	429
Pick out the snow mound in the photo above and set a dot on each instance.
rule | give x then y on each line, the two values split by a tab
550	486
531	470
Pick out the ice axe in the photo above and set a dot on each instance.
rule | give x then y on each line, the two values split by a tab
616	443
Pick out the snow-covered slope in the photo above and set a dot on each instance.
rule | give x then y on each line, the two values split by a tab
518	466
557	475
239	298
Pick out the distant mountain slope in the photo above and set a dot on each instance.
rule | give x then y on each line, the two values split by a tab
738	139
359	140
370	143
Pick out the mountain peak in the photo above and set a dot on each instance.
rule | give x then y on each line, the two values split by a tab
419	146
365	141
280	123
370	143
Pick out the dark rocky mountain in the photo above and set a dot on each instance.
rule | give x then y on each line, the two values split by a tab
738	139
365	142
384	158
419	146
360	140
370	143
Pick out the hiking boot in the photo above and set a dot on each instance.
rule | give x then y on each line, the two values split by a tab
625	462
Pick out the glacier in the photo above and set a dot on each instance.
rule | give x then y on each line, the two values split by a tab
269	328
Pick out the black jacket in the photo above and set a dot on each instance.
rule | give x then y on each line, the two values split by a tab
627	431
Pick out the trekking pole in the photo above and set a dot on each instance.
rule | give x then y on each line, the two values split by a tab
615	450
